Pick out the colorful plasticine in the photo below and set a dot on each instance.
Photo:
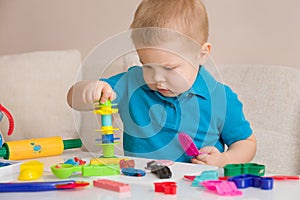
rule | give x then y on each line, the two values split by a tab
127	163
161	172
111	185
133	172
75	161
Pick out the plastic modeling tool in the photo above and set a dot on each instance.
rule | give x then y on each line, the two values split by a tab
165	187
10	119
248	180
37	147
188	145
244	168
108	139
222	188
66	170
41	186
285	178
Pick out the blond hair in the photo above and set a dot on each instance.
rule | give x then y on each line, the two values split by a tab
187	17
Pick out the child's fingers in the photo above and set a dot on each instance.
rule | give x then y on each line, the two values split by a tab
104	97
208	150
202	156
97	91
196	161
107	93
113	96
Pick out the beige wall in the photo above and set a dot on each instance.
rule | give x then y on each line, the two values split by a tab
255	31
242	31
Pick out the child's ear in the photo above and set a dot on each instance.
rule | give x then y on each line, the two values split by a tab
205	52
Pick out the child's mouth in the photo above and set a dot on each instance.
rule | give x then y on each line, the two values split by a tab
164	91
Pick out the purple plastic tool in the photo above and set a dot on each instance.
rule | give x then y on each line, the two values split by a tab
188	145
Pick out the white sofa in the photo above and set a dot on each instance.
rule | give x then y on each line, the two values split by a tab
271	99
33	87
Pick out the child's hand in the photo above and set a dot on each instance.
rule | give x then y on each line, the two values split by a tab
95	90
83	94
209	156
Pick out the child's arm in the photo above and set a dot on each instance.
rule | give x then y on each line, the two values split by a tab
239	152
83	94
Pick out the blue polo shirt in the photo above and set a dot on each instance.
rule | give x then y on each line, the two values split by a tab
209	112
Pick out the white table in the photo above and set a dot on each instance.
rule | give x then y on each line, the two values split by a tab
143	188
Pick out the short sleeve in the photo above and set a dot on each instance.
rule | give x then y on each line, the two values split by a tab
236	126
121	83
112	81
122	78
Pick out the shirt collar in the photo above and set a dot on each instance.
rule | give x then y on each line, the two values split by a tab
204	84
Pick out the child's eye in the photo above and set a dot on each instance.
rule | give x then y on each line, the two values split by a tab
169	68
147	66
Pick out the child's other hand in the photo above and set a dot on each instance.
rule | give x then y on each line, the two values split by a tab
96	90
209	156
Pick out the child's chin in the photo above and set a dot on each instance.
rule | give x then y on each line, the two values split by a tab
168	94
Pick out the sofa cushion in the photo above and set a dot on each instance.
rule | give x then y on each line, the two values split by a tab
270	95
33	87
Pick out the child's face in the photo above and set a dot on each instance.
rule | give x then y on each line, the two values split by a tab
168	73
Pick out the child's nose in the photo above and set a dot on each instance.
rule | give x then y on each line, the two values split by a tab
158	76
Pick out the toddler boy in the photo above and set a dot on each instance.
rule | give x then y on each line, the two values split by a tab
172	91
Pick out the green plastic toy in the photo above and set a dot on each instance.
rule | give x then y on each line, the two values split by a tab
246	168
66	170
